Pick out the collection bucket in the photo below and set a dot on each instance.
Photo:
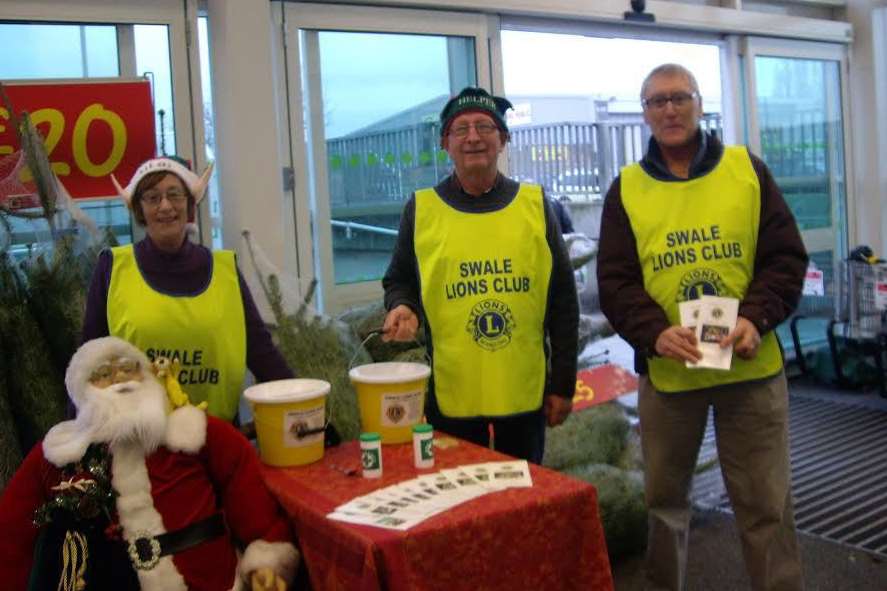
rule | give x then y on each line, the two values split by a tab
391	396
290	420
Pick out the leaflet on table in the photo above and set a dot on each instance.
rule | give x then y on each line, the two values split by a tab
386	508
450	492
712	318
403	505
481	473
501	475
468	484
514	474
405	498
429	501
379	504
368	510
400	521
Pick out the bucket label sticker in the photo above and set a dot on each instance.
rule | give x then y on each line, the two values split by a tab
401	408
303	427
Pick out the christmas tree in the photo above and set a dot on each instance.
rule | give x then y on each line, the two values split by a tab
48	248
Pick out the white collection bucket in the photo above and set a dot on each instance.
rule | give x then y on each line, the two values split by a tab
290	420
391	396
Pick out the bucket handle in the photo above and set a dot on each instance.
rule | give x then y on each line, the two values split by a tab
303	432
378	332
371	334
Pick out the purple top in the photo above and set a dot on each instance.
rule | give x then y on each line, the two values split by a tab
183	273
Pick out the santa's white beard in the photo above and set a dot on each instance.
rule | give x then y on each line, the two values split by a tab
131	411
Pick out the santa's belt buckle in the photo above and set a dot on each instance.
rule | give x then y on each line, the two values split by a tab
144	551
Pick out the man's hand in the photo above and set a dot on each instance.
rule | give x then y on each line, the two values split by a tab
556	409
400	324
265	579
678	343
745	339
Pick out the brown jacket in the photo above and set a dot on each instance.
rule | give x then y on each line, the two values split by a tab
780	259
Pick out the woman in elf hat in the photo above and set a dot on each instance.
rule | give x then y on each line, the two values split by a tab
176	299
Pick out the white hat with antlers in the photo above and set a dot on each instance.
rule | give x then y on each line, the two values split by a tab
196	184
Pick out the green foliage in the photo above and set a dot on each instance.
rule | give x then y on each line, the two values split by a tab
41	304
594	444
36	391
10	452
414	355
597	434
56	284
314	346
621	501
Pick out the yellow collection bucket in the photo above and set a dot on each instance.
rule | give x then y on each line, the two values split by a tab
290	420
391	396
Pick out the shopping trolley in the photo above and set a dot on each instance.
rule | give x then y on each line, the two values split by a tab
812	307
860	314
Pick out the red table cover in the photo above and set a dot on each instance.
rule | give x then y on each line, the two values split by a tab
548	536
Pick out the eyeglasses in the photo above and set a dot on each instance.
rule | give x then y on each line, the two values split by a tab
678	100
175	196
122	369
482	129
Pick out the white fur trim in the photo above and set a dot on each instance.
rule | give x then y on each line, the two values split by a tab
186	430
281	557
135	507
90	354
196	184
65	443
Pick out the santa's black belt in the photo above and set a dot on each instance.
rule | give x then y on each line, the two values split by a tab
145	551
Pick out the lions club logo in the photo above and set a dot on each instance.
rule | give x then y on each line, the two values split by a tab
490	324
395	413
299	429
700	282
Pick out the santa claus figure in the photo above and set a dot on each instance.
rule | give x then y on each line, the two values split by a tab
132	495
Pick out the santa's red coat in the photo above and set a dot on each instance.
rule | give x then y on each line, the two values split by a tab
222	476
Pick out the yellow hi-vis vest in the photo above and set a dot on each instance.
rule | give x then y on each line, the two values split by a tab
484	280
206	332
699	237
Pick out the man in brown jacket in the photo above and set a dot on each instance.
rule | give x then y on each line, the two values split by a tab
695	218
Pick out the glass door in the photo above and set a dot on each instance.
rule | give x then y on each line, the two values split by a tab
796	105
365	90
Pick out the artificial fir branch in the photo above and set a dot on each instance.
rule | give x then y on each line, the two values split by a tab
315	346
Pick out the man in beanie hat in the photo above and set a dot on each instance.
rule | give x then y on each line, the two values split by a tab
481	261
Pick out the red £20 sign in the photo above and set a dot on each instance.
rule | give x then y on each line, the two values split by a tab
90	129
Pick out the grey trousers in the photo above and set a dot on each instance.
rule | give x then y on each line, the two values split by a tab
751	427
